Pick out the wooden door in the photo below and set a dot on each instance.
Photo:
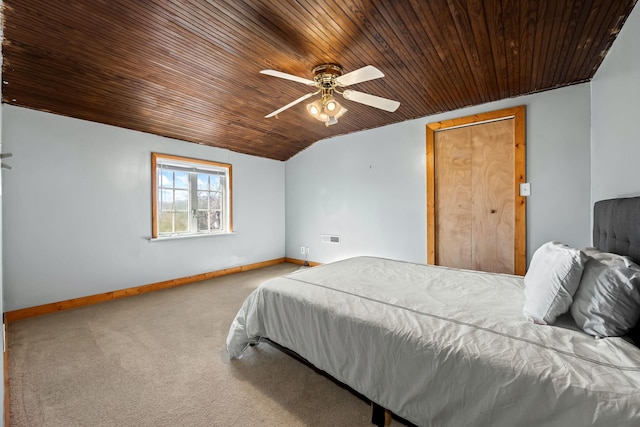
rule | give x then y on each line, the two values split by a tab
475	214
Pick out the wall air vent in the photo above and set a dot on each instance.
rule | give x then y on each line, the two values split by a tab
329	238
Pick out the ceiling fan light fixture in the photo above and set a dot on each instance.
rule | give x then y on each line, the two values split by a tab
339	112
332	121
332	118
326	110
327	79
314	109
332	105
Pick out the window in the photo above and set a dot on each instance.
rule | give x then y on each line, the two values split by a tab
190	197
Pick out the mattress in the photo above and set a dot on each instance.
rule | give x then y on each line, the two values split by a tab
443	347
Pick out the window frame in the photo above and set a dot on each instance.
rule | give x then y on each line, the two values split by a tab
158	159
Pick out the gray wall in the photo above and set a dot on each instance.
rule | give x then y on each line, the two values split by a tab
77	210
615	117
370	187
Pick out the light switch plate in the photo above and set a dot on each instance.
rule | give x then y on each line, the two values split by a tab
525	189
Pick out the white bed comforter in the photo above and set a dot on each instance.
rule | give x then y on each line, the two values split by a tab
443	347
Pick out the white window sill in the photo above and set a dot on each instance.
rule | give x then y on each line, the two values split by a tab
189	236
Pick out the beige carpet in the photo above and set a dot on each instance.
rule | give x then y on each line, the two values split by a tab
159	359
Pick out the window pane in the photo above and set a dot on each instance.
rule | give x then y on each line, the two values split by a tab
166	200
166	179
215	182
202	222
165	222
216	223
209	221
182	179
215	200
182	222
203	200
182	200
203	181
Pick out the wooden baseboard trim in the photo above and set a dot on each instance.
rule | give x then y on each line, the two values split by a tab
301	262
7	401
24	313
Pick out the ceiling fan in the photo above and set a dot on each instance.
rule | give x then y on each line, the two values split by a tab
328	78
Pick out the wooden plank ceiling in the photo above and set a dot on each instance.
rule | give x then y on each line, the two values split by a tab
189	69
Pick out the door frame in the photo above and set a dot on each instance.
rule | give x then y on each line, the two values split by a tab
520	231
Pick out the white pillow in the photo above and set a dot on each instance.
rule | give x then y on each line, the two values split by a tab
551	281
607	303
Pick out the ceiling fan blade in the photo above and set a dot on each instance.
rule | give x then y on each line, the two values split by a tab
291	104
371	100
360	75
282	75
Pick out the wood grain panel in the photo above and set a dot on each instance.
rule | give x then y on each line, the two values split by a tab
454	195
189	69
493	204
520	149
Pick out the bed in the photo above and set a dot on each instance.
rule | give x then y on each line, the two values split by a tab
447	347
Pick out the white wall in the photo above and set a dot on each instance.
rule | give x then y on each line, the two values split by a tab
370	187
77	210
615	117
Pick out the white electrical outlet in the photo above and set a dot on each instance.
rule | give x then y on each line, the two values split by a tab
302	250
306	250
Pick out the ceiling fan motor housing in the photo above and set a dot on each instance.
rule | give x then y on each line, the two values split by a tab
325	75
327	69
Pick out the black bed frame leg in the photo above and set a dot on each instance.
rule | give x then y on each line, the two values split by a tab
379	416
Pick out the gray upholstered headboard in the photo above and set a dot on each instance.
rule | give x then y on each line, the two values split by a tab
616	226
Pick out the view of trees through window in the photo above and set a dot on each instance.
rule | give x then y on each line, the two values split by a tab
209	202
174	202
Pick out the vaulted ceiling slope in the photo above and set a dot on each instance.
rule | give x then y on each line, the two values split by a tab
189	69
